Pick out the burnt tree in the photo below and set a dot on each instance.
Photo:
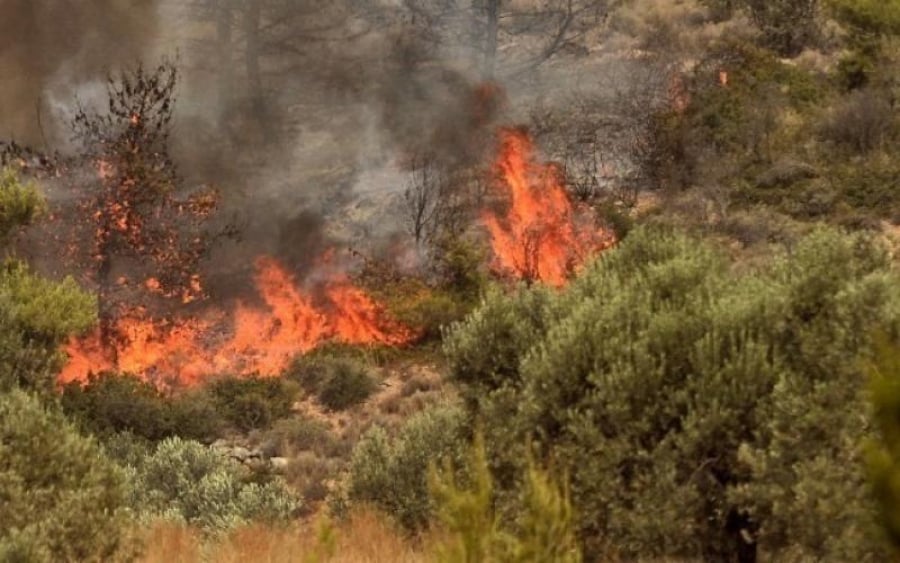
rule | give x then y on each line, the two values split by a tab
142	232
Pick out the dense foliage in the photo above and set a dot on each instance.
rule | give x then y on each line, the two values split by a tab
109	403
186	481
337	381
702	411
62	500
391	472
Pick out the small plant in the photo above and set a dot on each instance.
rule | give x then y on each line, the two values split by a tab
338	382
184	480
391	473
348	384
546	527
298	434
254	402
112	403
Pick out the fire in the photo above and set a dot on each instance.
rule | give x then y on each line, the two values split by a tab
261	339
542	236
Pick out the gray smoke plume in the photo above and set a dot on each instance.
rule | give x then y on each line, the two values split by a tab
48	47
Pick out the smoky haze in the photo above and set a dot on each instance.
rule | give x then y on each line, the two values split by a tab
49	46
305	114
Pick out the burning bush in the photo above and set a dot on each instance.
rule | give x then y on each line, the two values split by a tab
542	236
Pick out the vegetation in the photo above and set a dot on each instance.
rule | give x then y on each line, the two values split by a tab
721	384
705	390
546	530
338	382
184	481
110	403
391	473
254	402
62	499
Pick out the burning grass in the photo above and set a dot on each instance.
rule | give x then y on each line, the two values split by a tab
254	338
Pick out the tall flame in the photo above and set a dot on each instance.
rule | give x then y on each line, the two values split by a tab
542	236
260	339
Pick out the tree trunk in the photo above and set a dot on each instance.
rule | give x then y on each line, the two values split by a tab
489	62
224	26
254	78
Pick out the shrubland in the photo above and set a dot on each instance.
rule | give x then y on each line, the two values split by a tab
722	385
689	401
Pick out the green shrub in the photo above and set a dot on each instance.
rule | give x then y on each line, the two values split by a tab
338	382
253	402
20	203
703	411
545	530
36	316
110	403
297	434
184	480
883	451
392	473
61	499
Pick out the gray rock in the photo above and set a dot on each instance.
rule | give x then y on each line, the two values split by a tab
239	453
279	463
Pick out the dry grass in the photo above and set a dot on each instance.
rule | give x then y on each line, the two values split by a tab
366	537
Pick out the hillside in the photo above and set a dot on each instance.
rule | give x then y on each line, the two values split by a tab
505	280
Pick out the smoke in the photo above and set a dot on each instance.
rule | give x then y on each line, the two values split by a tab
49	47
307	129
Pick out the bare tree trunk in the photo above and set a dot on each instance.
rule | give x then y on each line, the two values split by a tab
224	23
105	312
252	22
492	9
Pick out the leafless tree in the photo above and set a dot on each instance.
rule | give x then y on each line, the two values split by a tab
537	30
426	198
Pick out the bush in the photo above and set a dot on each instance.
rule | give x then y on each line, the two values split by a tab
338	382
186	481
253	402
299	434
111	403
62	500
704	412
861	123
546	526
392	473
36	316
786	26
20	203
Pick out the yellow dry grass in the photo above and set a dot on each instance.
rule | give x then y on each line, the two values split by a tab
366	537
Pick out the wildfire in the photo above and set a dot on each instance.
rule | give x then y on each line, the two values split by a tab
542	236
259	339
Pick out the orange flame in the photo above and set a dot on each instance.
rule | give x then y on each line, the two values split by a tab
543	236
253	339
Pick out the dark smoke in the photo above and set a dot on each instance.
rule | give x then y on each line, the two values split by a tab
48	47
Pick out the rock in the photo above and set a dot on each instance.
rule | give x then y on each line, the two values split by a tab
279	463
220	444
240	453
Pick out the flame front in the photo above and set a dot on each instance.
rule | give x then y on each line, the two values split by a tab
542	236
261	339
